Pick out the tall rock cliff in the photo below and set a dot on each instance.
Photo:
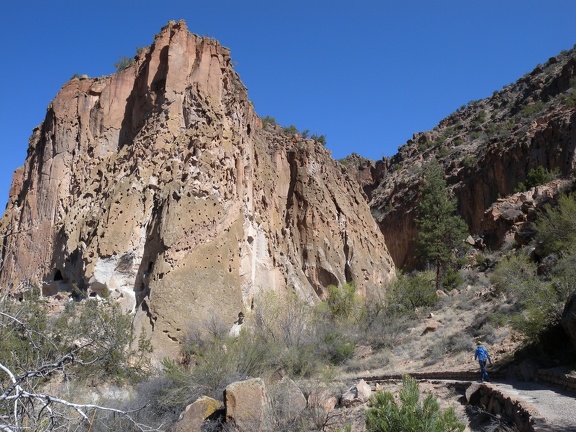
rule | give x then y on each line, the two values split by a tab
157	185
487	148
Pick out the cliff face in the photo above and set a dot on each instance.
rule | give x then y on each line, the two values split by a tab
486	148
158	186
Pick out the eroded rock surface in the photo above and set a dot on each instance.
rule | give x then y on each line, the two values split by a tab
157	185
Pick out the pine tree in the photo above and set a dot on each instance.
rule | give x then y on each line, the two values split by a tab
440	229
410	413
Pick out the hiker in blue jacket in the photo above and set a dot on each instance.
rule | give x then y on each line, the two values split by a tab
481	354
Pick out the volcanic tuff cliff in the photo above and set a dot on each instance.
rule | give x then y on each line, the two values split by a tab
159	186
487	149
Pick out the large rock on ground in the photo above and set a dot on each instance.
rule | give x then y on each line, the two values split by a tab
247	405
196	413
158	185
359	393
287	400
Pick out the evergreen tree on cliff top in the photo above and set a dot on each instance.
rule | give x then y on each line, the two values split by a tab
440	228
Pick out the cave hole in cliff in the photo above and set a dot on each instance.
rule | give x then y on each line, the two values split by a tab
248	130
58	275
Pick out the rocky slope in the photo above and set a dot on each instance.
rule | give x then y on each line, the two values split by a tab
157	185
487	148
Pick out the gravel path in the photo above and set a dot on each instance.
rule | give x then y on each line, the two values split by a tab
557	407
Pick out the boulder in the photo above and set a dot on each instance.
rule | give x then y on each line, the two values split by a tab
196	413
357	394
287	399
431	326
322	399
247	405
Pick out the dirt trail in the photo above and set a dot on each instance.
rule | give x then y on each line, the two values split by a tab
557	407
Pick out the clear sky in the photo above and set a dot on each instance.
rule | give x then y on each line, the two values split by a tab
366	73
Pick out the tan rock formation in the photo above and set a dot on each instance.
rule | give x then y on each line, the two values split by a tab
158	185
247	405
196	413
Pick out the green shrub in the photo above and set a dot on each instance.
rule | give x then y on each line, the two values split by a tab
410	292
569	99
25	340
457	141
319	138
106	335
443	152
468	161
338	347
290	130
269	121
564	276
556	228
536	177
529	111
90	340
98	333
123	63
409	414
537	304
342	301
479	118
512	274
451	278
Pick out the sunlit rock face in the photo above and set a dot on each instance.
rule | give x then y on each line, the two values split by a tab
158	186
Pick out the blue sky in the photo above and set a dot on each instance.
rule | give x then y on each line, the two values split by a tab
366	73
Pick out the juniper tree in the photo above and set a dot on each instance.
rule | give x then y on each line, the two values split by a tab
440	228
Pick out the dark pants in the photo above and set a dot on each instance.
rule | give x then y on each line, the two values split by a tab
483	373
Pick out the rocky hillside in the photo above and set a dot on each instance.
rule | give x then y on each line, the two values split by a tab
158	186
487	147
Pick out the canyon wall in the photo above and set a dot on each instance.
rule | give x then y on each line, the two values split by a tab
158	187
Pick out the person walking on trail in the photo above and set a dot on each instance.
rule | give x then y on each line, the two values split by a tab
481	354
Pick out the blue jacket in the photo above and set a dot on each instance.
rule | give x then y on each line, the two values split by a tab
481	354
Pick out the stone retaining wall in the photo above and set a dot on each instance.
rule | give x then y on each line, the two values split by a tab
557	378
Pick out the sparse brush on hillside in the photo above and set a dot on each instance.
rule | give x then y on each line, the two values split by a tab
556	227
88	342
283	333
537	292
123	63
270	122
